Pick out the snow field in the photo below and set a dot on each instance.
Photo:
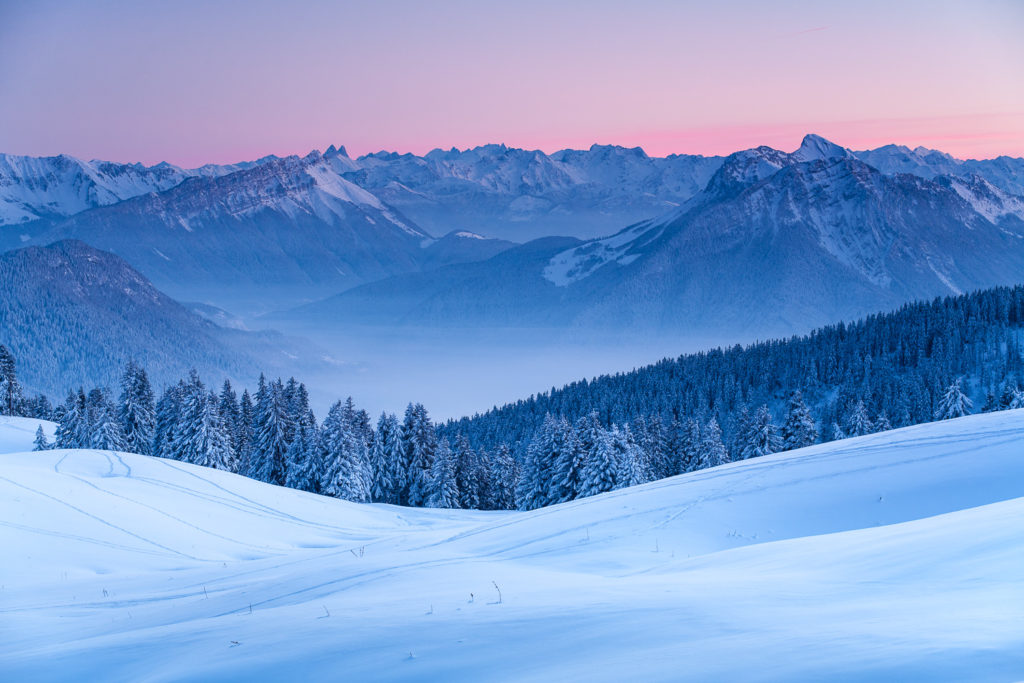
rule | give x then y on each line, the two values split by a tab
894	556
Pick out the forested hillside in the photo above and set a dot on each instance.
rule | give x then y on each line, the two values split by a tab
924	362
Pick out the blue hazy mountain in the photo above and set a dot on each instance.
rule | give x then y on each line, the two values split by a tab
74	315
775	243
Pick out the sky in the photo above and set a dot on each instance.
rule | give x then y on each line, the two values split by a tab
194	82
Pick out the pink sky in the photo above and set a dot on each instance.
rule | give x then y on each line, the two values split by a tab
193	82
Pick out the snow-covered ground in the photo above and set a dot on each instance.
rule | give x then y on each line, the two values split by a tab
18	434
896	556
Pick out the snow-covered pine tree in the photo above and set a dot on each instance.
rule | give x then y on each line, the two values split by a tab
632	459
549	457
421	445
603	469
837	432
443	491
105	428
73	428
243	436
586	434
673	446
799	430
882	423
267	460
10	389
394	458
659	463
40	443
202	436
138	411
504	475
468	474
380	474
344	457
761	438
302	471
167	411
954	403
858	423
712	450
227	404
690	439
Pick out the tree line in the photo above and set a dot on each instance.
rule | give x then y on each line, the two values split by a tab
917	364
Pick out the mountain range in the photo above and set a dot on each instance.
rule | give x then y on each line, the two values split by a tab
722	243
774	244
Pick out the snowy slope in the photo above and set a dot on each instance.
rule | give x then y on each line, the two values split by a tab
17	434
895	556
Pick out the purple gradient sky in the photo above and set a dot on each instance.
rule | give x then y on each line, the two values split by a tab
193	82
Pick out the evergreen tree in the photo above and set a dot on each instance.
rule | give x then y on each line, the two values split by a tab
505	474
443	491
954	403
882	423
267	458
858	423
167	410
302	471
798	431
468	474
712	450
381	484
40	443
690	440
104	426
10	389
394	458
73	428
632	459
137	410
227	404
603	470
549	457
421	444
761	438
243	436
202	437
344	456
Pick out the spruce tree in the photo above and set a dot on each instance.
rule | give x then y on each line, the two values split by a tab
712	450
10	389
761	438
954	403
40	443
137	410
267	459
799	430
344	457
468	474
302	471
420	449
603	469
505	474
858	423
443	490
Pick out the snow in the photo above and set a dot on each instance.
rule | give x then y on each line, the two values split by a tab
895	556
18	433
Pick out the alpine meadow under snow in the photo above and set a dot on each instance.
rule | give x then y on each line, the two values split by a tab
893	556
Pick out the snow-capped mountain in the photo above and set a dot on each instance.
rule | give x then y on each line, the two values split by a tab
278	233
523	194
53	187
74	315
737	258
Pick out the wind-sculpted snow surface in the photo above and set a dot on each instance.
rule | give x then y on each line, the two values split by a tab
895	556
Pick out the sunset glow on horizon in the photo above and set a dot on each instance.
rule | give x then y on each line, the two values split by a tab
193	83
